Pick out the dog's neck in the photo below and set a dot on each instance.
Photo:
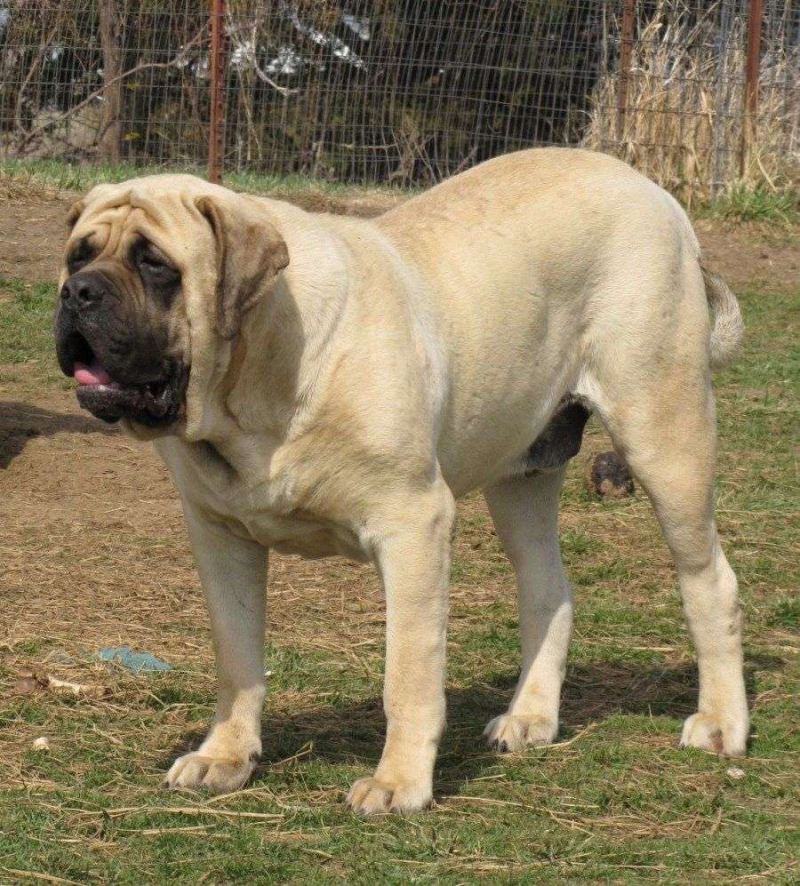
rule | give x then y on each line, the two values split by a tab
272	375
282	353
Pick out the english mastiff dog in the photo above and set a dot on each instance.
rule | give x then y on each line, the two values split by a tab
326	385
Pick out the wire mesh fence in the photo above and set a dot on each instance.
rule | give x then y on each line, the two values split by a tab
405	91
685	121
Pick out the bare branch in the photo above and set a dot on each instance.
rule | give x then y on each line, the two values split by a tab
178	61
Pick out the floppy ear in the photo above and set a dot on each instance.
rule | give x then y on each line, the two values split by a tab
75	213
250	254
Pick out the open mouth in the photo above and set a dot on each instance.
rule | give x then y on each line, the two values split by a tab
154	403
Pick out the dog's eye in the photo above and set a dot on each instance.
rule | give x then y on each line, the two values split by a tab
152	264
155	267
80	256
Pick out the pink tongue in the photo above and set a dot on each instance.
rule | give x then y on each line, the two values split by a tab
91	375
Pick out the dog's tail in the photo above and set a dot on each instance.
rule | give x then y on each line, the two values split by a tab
727	325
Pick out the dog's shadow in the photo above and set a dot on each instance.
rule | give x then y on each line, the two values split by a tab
21	422
353	733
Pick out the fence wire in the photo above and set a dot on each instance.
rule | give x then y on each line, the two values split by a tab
402	92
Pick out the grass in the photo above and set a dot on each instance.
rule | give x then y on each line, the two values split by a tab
26	321
742	203
615	800
61	175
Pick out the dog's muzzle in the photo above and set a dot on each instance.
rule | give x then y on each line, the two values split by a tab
120	373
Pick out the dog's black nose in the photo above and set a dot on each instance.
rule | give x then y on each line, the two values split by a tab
81	291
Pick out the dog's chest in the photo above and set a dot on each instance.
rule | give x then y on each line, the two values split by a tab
259	510
292	532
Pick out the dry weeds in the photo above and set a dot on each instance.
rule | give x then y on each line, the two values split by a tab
683	125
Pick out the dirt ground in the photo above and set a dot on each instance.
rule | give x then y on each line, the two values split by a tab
33	230
91	517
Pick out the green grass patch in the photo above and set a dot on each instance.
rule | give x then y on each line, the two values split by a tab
739	203
82	176
26	331
742	203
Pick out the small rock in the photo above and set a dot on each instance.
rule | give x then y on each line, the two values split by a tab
609	477
27	684
41	744
60	657
735	772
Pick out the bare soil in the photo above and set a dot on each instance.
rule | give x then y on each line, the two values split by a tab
93	550
33	231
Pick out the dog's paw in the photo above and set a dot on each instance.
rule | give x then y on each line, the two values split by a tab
510	733
726	737
220	775
371	796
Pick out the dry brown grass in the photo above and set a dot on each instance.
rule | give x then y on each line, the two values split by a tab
684	125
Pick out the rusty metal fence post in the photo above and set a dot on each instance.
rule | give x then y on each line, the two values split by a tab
216	129
625	53
752	71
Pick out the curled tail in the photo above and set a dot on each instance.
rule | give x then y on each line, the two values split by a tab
727	326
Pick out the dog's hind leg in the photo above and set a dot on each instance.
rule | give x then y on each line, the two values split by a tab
525	513
661	418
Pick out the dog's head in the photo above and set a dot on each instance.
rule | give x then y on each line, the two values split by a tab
159	273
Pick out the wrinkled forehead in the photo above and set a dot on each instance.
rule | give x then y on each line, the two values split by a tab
162	209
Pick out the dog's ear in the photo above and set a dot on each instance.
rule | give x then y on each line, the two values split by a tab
250	255
75	213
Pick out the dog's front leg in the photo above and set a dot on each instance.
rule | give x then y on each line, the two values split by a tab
414	561
233	572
